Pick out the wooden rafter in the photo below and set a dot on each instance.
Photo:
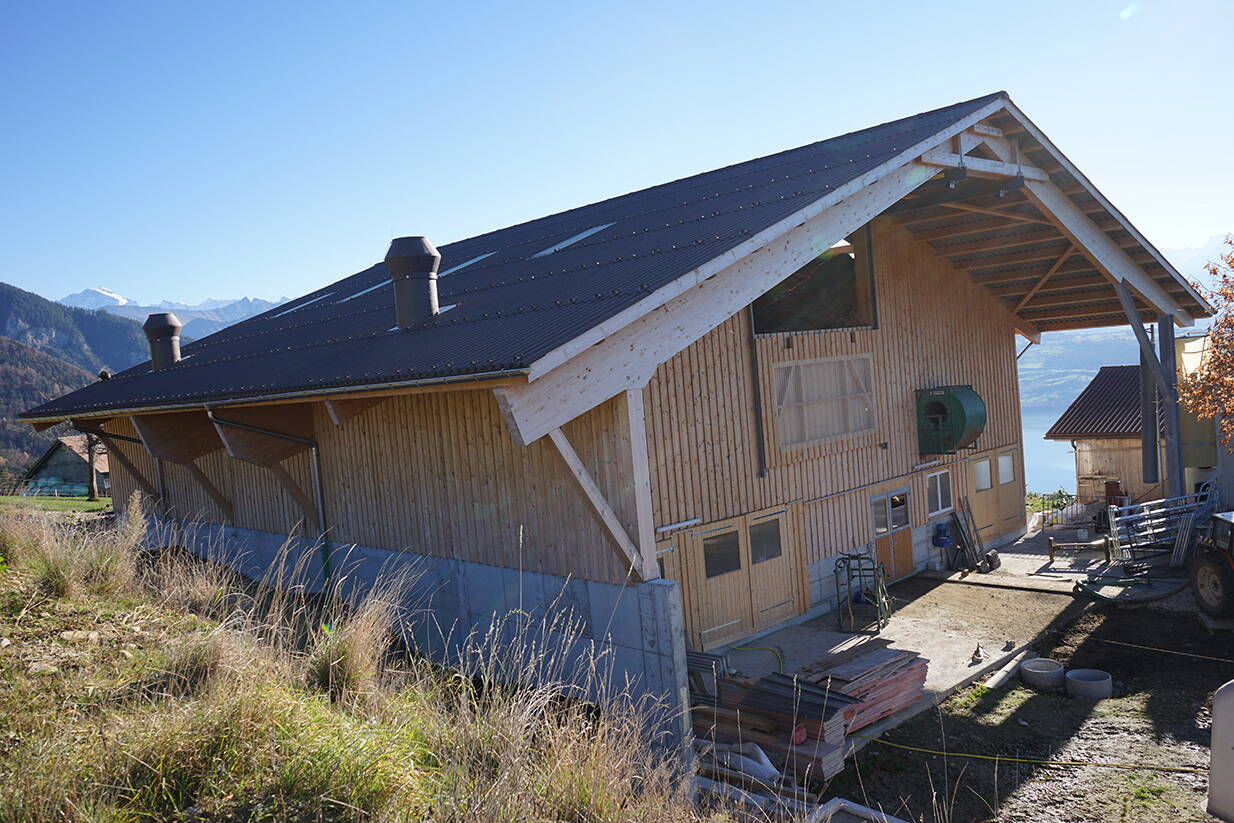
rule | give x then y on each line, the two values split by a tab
1053	271
1027	238
996	213
1028	256
600	507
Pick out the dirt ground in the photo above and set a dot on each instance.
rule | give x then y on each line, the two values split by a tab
1159	716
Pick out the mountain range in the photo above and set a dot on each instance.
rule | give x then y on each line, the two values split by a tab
200	319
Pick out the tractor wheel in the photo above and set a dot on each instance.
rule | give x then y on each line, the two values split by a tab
1212	581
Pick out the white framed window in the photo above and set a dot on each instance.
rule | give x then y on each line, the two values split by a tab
938	492
982	481
1006	468
819	400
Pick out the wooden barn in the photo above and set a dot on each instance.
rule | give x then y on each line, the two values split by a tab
669	410
1105	427
64	469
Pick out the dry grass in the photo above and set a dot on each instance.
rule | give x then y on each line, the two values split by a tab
206	698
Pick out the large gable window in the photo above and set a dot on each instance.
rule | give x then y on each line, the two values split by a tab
833	291
818	400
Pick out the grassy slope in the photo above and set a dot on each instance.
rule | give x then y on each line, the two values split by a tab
125	700
55	504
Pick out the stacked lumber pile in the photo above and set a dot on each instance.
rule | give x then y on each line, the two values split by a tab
799	724
880	682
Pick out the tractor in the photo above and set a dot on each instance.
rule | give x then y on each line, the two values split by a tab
1212	568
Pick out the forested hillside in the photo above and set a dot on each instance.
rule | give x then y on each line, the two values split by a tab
46	350
29	377
91	340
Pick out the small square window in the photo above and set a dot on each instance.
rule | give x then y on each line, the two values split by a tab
981	476
1006	468
721	553
938	492
765	541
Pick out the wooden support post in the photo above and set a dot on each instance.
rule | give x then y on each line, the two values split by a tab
1137	326
646	536
113	451
1148	422
1169	408
211	490
603	511
297	494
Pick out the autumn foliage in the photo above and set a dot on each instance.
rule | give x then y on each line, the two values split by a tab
1209	390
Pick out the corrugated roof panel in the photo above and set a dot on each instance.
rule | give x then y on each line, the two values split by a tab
1109	406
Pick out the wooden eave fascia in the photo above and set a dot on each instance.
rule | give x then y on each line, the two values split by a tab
359	393
1087	185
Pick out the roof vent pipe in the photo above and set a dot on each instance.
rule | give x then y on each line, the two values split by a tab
412	263
163	332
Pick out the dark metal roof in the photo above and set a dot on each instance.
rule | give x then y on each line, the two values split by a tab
1109	406
512	303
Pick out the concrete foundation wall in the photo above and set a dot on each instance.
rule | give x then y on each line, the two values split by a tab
455	609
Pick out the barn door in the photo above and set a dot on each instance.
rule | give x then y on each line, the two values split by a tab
893	537
720	567
773	570
983	495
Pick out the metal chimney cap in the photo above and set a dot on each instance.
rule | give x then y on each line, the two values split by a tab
410	256
162	325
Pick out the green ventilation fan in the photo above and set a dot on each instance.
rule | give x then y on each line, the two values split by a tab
949	418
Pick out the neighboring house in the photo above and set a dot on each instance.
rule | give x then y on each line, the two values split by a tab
64	469
668	411
1103	426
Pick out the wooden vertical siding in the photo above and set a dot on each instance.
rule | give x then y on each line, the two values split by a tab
1098	459
935	327
433	474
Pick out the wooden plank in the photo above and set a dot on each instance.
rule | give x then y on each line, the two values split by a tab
343	409
599	505
1003	242
178	437
263	449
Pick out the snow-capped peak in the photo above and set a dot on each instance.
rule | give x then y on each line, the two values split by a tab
95	298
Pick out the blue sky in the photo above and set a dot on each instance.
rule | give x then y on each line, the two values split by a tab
178	151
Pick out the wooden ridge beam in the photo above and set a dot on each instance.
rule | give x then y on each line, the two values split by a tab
609	521
947	159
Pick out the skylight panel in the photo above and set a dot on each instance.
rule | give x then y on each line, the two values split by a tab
453	269
570	241
363	292
299	306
